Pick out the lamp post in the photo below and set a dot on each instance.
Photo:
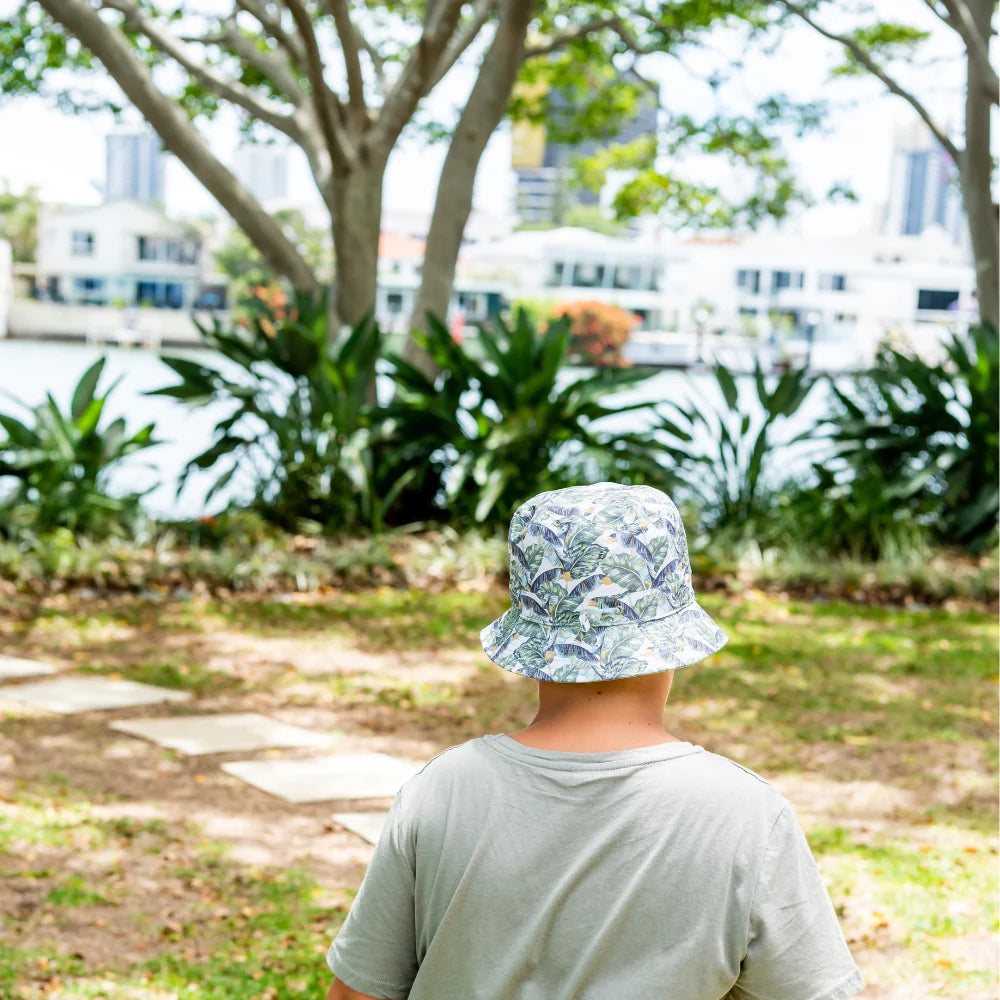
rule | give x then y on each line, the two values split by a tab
812	321
700	319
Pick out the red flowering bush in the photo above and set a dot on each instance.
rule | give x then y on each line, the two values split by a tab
598	332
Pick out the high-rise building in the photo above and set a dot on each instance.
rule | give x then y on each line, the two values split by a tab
923	189
263	170
135	163
543	165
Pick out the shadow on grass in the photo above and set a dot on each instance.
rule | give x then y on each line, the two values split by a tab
209	922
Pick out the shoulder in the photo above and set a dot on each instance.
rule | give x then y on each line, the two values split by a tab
451	765
734	785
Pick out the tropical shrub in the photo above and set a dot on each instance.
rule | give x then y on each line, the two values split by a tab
927	438
598	331
296	444
726	461
482	436
828	514
55	466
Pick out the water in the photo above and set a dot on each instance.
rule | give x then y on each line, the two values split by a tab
28	370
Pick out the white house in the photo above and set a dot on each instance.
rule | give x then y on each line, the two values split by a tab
121	252
850	291
571	265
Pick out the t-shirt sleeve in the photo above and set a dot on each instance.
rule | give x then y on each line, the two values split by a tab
796	949
375	951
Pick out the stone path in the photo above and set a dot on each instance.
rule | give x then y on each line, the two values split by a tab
343	777
87	694
367	825
193	735
321	779
11	668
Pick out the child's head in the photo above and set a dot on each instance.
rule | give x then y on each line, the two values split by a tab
600	583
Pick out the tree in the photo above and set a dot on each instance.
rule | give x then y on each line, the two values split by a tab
879	48
245	266
343	80
19	223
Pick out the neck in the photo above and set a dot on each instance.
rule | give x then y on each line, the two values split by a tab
600	716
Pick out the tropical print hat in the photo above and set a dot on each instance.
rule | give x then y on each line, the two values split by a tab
600	583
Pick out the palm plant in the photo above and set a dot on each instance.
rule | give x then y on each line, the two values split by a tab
483	435
724	458
55	467
929	434
301	415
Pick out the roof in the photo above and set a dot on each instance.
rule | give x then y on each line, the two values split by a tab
396	246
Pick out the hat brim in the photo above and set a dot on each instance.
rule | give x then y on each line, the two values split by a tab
571	655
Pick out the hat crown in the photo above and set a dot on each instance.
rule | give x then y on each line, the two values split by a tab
599	555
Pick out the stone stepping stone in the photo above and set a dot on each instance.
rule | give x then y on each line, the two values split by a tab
320	779
11	668
202	734
368	825
68	695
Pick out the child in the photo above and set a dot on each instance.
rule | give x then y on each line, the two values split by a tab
593	856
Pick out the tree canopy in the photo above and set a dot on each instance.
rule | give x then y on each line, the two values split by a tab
343	79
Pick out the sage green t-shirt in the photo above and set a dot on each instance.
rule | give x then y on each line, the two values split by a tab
664	873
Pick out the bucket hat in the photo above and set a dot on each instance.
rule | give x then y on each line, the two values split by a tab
600	587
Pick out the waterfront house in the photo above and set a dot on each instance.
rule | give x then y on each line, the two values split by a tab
122	252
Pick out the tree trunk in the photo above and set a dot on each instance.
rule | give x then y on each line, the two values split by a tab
181	138
975	169
357	221
482	114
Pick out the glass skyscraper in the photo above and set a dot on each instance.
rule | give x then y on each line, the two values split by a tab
134	166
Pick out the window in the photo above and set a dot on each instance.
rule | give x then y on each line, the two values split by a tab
933	299
655	279
832	282
90	291
786	279
161	294
588	275
556	274
161	248
83	244
628	277
472	304
748	280
747	311
394	303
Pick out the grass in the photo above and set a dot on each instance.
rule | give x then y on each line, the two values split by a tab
845	701
918	897
175	673
74	891
258	935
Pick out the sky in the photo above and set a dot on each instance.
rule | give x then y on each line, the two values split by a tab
64	155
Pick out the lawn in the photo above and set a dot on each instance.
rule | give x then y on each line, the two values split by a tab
133	872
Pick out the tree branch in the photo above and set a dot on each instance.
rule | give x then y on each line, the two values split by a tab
179	136
273	26
207	76
349	44
277	69
480	117
960	18
328	109
417	75
864	58
463	39
562	38
378	63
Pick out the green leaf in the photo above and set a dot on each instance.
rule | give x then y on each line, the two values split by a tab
83	394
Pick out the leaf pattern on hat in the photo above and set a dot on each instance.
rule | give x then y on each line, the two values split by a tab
600	583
